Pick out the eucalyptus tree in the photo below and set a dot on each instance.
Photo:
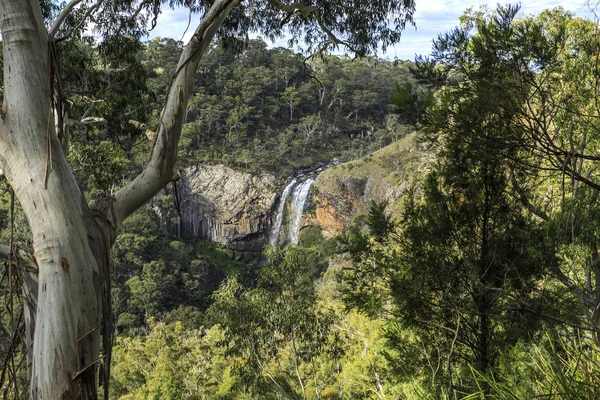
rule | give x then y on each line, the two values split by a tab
67	305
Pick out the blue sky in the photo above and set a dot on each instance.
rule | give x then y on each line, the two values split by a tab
432	18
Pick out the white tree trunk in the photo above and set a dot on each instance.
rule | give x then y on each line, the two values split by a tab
159	171
65	325
64	306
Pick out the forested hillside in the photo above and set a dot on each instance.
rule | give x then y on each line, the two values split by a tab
447	249
278	111
255	109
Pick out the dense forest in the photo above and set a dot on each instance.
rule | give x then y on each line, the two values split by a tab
480	279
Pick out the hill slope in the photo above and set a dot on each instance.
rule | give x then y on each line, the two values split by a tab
346	190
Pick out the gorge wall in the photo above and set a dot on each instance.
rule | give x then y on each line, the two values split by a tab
346	190
239	209
226	206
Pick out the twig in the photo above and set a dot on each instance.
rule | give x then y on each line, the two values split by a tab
81	371
306	11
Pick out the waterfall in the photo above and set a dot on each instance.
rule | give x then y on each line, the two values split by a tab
298	202
300	192
274	236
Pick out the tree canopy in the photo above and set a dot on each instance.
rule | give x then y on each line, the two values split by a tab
478	278
68	305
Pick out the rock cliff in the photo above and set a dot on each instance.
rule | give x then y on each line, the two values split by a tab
226	206
346	190
237	209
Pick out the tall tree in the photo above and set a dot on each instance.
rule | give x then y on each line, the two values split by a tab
543	73
462	270
67	307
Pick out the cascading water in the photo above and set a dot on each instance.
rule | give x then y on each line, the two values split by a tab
300	192
299	197
274	236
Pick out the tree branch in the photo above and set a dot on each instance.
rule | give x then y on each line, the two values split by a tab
23	257
584	298
62	16
140	8
89	12
160	169
88	121
306	11
523	197
290	8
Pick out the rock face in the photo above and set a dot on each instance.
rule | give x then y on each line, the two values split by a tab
336	209
237	209
343	197
328	217
226	206
346	190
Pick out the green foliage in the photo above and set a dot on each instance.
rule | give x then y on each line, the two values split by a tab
468	263
379	223
265	109
410	103
447	299
157	275
84	157
171	363
463	268
518	70
100	83
559	369
311	236
278	313
14	221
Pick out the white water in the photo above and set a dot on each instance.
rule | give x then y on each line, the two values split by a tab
299	197
274	236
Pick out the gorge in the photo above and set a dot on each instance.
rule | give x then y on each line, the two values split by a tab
240	209
245	211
